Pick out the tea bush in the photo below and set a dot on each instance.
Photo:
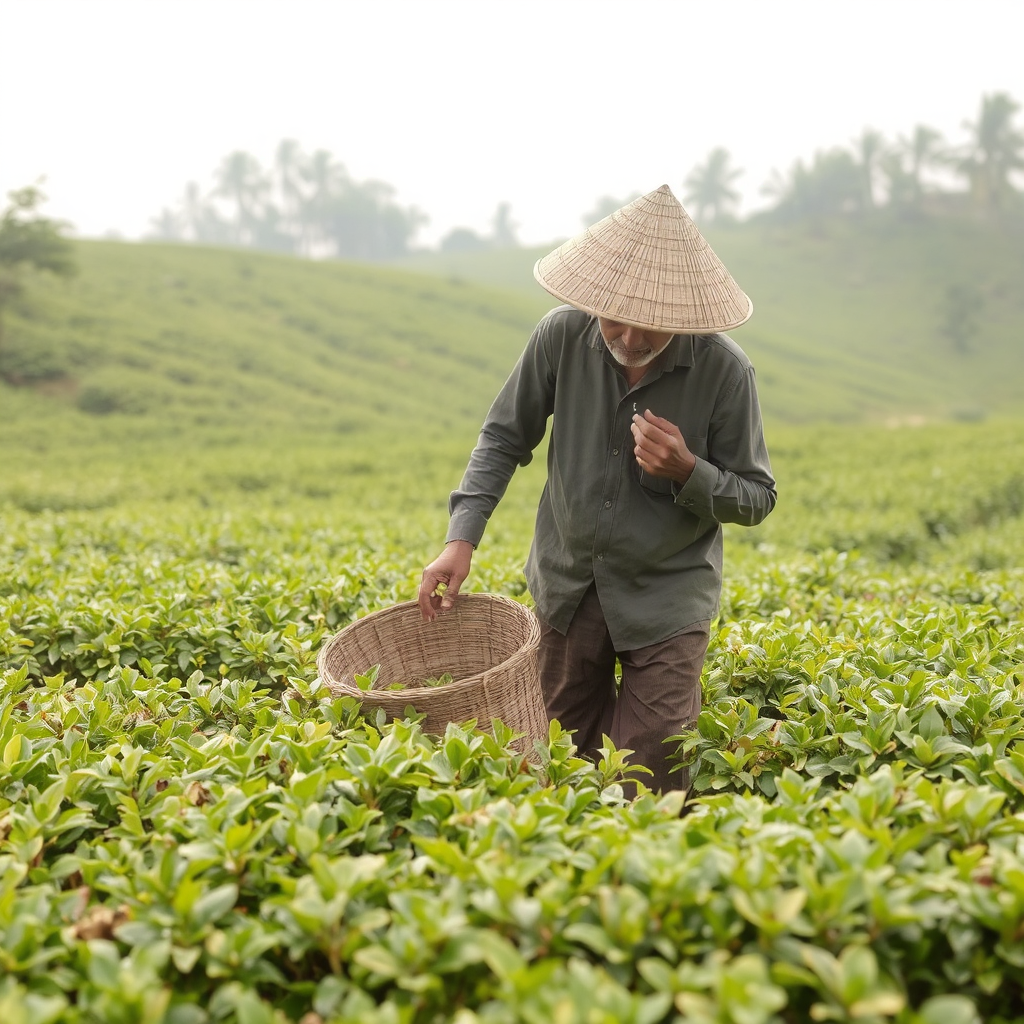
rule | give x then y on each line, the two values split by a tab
193	830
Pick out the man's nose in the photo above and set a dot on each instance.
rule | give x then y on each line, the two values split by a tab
633	338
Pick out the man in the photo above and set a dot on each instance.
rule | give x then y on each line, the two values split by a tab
656	441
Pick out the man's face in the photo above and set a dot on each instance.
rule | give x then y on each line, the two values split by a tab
632	346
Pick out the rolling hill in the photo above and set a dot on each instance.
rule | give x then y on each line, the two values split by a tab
201	348
849	318
158	335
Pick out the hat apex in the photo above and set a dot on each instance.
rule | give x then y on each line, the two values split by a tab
646	265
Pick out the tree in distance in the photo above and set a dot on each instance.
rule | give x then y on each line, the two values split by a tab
842	181
709	187
870	148
28	241
503	228
903	166
241	180
464	240
309	205
502	236
925	150
832	184
961	310
994	153
900	184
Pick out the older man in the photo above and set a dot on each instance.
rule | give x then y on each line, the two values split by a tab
656	441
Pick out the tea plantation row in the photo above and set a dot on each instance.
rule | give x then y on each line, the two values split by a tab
182	841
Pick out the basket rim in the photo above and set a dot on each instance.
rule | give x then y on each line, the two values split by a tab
399	700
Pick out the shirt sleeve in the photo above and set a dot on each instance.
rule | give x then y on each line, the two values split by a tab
734	484
513	428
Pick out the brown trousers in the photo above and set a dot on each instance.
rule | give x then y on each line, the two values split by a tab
659	696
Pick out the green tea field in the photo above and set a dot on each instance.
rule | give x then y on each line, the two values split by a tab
193	830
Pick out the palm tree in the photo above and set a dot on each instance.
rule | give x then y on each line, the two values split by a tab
925	150
199	217
167	226
709	186
995	152
289	164
830	185
327	182
503	228
901	185
868	146
240	179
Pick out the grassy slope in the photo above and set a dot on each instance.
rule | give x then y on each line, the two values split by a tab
350	368
177	338
847	321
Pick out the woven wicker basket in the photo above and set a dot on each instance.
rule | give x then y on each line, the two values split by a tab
488	644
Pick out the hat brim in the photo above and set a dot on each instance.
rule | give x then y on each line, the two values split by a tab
647	265
690	327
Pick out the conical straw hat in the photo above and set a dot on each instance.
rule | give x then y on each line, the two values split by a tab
647	265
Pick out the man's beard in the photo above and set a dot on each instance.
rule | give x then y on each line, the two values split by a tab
632	360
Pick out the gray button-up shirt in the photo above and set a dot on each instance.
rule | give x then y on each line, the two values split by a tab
653	547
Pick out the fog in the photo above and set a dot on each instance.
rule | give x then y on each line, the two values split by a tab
462	105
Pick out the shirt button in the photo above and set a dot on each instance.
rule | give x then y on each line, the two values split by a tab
600	557
615	451
607	504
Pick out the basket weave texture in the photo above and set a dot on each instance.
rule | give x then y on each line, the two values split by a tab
488	643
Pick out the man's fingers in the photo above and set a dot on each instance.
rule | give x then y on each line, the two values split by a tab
656	427
659	421
447	590
442	578
426	598
647	428
655	446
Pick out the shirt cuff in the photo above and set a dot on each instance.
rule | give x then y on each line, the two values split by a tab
697	494
467	525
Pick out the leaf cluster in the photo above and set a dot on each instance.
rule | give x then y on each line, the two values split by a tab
193	830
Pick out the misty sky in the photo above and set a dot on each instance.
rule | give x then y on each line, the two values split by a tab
547	104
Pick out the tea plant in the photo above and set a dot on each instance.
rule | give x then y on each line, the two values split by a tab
192	829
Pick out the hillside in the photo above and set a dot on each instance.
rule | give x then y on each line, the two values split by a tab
195	347
162	339
848	321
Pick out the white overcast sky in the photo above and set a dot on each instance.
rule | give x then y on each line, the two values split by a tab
546	104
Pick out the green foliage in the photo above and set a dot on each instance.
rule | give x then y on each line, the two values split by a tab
994	154
306	204
193	340
961	308
174	342
832	184
28	242
26	239
193	830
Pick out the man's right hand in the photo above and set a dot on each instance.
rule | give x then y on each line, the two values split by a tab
448	571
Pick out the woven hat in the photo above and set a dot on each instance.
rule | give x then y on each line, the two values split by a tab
648	266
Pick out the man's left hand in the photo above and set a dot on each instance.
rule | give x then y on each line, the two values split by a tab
660	448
